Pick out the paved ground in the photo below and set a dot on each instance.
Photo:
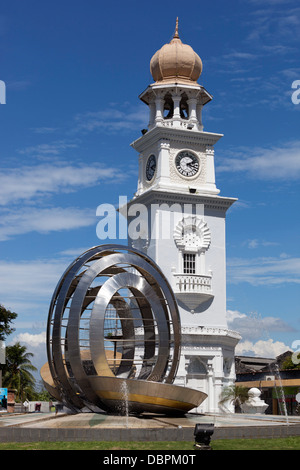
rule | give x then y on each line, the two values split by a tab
91	426
87	420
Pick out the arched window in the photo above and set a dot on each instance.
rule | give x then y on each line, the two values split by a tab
168	106
184	109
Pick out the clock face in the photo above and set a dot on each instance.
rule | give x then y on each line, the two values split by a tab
187	163
150	167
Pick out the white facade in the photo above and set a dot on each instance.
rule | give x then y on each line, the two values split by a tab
185	230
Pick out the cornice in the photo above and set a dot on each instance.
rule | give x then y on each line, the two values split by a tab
153	196
198	336
175	135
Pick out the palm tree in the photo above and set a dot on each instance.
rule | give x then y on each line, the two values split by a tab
235	394
16	372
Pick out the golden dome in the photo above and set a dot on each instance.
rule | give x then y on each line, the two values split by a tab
176	62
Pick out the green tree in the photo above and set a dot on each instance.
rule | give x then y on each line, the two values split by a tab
291	363
6	318
235	394
41	393
17	371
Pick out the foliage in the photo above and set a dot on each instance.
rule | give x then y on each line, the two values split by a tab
235	394
17	371
288	363
41	394
6	318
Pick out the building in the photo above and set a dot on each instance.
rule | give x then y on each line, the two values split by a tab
279	385
181	223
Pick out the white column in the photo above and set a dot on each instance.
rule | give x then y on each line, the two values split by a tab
192	103
218	380
210	387
210	168
140	179
176	114
163	167
199	116
152	108
201	269
159	105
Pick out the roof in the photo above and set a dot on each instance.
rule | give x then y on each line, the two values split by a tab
244	364
250	364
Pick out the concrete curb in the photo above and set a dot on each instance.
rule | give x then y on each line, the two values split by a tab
19	434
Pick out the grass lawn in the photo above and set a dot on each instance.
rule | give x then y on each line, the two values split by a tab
288	443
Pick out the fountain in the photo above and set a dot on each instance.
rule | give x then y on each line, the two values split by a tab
113	337
125	407
281	395
274	369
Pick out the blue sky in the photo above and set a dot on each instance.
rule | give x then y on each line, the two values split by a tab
73	72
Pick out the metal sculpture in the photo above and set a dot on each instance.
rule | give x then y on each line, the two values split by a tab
114	328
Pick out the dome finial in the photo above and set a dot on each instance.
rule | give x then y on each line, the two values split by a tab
176	35
176	62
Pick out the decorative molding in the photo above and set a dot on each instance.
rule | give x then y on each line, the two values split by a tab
192	233
210	150
202	348
164	144
207	331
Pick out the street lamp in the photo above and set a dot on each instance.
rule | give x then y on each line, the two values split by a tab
203	433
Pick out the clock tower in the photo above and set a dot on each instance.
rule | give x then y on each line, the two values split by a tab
180	216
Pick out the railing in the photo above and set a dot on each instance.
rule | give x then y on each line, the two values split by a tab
179	123
193	283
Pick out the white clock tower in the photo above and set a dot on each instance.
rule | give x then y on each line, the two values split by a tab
183	227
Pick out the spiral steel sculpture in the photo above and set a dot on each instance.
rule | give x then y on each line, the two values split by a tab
113	320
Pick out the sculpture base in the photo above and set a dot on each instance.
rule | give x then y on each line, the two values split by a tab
124	396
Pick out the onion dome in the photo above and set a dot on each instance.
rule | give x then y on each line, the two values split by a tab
176	62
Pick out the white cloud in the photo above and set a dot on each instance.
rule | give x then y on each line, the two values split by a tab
74	252
263	270
280	24
44	220
29	281
255	243
33	340
30	184
275	163
255	331
17	85
55	148
44	130
253	326
240	55
269	2
262	348
35	344
112	119
27	182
